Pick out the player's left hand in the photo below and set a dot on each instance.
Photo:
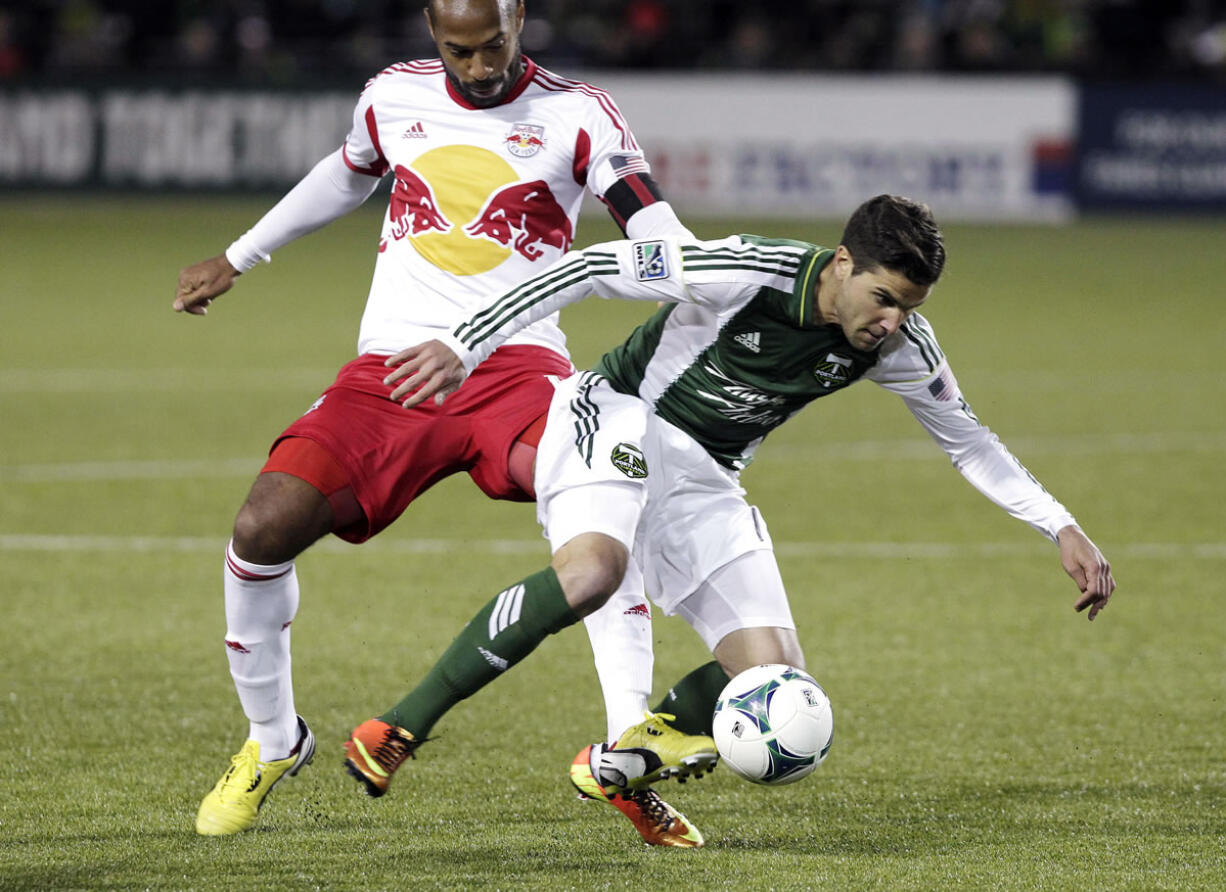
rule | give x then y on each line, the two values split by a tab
1088	568
431	369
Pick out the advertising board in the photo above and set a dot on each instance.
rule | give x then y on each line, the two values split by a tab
786	145
1157	147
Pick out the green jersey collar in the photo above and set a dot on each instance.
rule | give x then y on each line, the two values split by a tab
806	286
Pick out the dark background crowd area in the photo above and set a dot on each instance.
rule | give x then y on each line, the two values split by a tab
296	41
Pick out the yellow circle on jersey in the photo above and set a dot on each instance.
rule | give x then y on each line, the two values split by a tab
462	179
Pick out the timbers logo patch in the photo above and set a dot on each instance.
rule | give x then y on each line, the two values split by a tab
629	460
650	261
834	371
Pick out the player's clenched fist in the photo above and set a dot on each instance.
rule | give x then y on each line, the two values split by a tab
201	282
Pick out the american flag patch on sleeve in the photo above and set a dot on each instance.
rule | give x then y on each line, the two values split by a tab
941	387
624	165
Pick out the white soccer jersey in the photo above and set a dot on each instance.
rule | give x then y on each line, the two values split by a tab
482	198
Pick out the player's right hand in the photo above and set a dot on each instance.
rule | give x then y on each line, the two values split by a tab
1087	567
431	369
201	282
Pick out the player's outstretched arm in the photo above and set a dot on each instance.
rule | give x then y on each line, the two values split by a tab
327	192
201	282
1088	568
424	370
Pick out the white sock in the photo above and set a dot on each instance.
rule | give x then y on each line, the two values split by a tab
261	602
620	633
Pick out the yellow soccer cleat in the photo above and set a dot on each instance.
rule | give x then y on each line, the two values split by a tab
654	751
656	821
234	804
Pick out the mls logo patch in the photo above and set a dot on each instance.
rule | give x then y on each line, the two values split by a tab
525	140
629	459
650	261
834	371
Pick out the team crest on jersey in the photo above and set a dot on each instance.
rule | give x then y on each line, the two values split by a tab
650	261
525	140
834	371
629	459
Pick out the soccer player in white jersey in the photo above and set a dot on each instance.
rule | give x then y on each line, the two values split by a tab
641	457
490	155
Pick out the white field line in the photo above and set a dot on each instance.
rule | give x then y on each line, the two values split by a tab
915	449
157	380
168	469
1159	551
164	380
1078	445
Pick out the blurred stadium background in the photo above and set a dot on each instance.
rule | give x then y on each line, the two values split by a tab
985	736
283	41
992	109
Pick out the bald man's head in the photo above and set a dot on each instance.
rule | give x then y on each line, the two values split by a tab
478	41
506	8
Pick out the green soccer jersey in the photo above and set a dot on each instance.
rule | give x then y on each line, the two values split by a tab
730	378
739	348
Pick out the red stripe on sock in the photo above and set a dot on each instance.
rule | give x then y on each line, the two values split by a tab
248	576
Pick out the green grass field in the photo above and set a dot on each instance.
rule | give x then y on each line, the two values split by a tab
987	737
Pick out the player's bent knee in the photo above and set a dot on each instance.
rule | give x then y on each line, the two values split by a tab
282	516
590	568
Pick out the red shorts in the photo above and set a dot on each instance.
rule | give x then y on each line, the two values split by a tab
391	454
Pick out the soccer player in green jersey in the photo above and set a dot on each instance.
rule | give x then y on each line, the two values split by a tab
641	456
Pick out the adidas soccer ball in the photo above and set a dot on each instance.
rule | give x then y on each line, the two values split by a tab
773	724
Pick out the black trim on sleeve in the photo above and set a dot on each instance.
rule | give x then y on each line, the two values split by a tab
629	195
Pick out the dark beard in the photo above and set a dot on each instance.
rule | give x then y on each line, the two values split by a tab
510	79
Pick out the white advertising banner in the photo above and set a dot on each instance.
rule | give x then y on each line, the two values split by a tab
739	145
813	145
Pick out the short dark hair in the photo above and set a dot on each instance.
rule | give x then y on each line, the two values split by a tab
898	234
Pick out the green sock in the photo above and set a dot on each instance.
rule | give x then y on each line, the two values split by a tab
502	633
692	700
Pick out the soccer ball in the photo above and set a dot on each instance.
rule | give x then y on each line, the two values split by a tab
773	724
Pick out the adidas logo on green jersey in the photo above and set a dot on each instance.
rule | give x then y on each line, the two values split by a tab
751	340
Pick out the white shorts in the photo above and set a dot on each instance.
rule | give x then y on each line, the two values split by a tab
607	464
744	594
591	475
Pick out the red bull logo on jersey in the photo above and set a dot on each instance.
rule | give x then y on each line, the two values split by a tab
525	140
526	217
412	209
467	211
